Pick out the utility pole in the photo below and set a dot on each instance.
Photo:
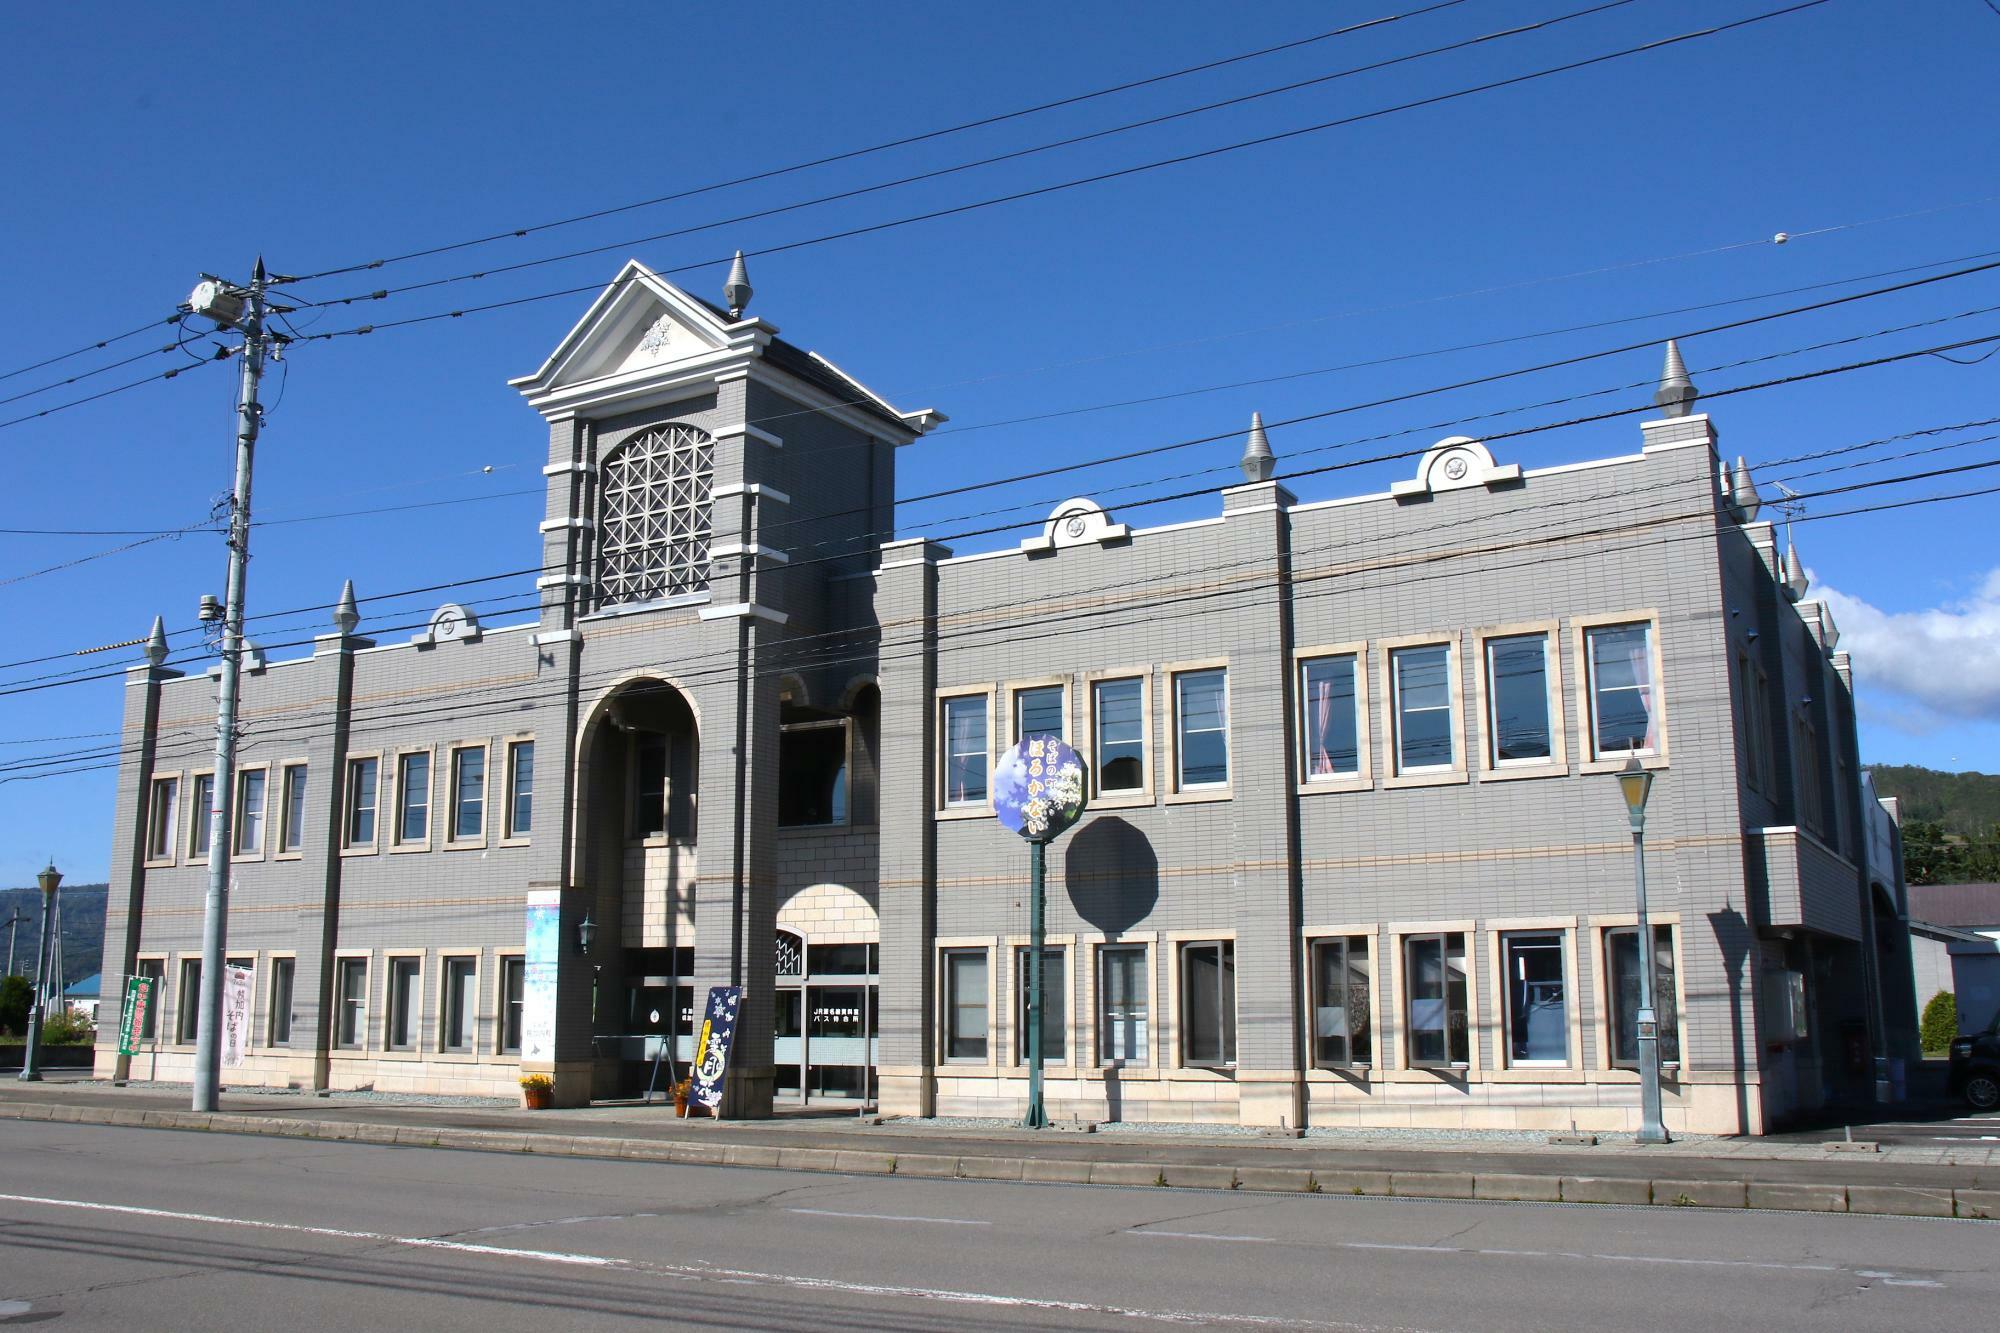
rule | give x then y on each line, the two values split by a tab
13	928
242	308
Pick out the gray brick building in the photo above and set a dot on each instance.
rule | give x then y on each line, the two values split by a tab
1353	853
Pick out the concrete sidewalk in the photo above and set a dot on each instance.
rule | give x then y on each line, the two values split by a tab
1733	1173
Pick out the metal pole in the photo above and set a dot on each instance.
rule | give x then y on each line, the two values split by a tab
1651	1128
13	928
31	1065
1038	1116
215	914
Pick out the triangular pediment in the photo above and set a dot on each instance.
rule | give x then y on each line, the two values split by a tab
640	323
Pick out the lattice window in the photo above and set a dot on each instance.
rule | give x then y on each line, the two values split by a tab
656	516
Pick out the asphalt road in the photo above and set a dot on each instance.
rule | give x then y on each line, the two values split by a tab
122	1228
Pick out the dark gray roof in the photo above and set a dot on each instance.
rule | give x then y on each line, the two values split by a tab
801	364
1973	906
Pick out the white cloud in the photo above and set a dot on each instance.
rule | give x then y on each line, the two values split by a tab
1943	661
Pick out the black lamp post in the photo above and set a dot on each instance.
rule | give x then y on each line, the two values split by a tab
50	880
1636	783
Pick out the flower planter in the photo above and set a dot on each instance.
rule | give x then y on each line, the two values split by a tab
537	1096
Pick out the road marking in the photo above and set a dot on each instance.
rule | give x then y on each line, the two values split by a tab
892	1217
730	1276
1200	1235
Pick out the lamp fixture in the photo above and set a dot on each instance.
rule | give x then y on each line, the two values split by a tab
586	931
1635	783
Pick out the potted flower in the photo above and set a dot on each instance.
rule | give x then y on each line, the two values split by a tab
537	1091
682	1090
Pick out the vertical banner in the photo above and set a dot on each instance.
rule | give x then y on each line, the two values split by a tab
711	1052
235	1015
538	975
138	1007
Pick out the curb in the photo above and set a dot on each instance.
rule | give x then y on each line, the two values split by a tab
1871	1200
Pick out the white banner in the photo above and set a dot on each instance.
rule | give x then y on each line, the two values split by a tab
538	975
235	1015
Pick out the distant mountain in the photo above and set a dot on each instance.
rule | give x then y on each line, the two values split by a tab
1967	804
82	928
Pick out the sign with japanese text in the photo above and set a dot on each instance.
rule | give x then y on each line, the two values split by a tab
138	1008
1038	788
235	1015
538	975
711	1051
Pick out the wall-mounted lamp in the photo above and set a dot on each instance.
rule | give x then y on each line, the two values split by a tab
586	931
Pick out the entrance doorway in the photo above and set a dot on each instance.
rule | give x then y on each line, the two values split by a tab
828	1022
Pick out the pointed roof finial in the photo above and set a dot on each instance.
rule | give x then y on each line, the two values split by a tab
156	643
1743	496
1676	393
1258	460
736	292
346	615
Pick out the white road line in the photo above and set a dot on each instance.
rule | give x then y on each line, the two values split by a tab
731	1276
1199	1235
892	1217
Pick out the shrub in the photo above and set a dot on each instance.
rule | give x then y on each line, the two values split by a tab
17	997
1940	1022
67	1027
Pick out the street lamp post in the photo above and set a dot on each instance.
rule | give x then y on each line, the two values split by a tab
31	1068
1635	782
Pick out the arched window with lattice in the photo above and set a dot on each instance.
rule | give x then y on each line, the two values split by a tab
655	516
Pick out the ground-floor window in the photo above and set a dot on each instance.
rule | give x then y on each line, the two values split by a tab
1621	949
188	1013
1055	1003
1341	981
1208	1003
461	1002
154	970
282	972
1123	998
513	975
406	1003
350	1028
965	1004
1537	998
1435	991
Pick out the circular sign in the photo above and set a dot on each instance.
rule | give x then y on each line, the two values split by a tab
1038	788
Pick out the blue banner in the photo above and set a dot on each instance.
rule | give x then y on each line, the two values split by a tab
711	1052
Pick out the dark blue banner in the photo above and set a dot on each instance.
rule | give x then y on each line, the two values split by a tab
711	1052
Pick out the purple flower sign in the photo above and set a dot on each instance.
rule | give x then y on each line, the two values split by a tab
1038	788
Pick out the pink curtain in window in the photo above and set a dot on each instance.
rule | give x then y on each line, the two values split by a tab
1322	761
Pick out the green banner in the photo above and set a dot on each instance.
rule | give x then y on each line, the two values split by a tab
138	1007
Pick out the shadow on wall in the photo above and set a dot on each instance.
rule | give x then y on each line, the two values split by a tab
1113	874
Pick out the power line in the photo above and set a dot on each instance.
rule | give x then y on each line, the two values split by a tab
99	345
104	393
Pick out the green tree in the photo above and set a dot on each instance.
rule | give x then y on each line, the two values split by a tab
1926	854
1940	1022
17	997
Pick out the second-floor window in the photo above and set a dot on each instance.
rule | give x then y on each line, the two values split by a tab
1517	699
1201	721
1329	718
413	798
965	750
250	812
468	794
361	794
162	818
1421	679
656	516
1624	707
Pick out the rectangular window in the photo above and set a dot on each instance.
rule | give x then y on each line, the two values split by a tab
360	821
350	1024
812	773
1624	712
406	1002
292	817
965	1004
154	970
1119	709
283	970
461	1002
513	978
520	788
1435	990
163	813
1039	712
187	1013
1330	718
1201	721
1124	997
1517	700
468	794
1537	1004
965	752
413	798
1420	679
1055	1004
203	814
250	812
649	784
1342	1032
1208	1004
1622	946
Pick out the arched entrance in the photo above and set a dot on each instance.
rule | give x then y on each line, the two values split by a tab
638	825
828	1005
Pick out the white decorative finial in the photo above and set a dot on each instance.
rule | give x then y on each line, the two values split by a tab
1258	461
346	615
1676	393
156	643
736	292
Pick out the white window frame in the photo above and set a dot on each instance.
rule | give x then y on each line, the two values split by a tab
1180	791
187	1006
344	959
1148	1058
1604	1015
399	793
1015	689
1581	628
237	851
504	962
1363	777
395	1004
1231	1028
165	851
453	840
289	770
448	1001
270	1024
1500	994
510	750
1101	799
199	822
1057	946
1394	962
349	805
995	1030
946	807
1357	1061
1492	768
1428	775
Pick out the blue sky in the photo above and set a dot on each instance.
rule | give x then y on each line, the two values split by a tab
152	143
